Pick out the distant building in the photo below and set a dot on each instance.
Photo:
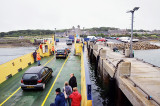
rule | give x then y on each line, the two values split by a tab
75	31
71	31
21	37
59	34
140	33
78	30
155	32
118	32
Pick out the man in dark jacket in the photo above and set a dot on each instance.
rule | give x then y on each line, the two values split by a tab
35	55
72	81
60	99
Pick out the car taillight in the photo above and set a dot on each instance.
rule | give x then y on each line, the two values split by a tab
21	81
39	81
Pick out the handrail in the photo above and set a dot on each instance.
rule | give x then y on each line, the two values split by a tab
149	97
111	63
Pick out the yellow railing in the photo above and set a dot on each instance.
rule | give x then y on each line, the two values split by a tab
78	47
85	101
46	48
11	68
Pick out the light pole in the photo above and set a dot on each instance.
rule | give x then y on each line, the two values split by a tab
55	32
83	32
55	36
131	49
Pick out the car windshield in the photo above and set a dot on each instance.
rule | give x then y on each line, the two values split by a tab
69	40
30	76
60	51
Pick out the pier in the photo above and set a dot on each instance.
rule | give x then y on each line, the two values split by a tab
139	81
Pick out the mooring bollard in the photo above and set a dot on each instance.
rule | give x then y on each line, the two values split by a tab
124	69
127	52
95	47
103	53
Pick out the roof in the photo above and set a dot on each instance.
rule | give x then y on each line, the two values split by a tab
61	49
35	69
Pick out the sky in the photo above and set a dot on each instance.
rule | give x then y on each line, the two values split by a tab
63	14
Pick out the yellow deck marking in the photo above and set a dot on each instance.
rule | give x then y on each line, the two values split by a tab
10	96
48	61
19	87
54	83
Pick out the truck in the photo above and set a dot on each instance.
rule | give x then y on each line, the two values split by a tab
71	37
86	39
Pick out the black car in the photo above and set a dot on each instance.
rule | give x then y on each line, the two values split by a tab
36	77
61	53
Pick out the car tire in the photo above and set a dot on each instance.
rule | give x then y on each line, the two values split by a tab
23	89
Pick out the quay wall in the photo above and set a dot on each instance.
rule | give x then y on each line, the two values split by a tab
118	67
12	67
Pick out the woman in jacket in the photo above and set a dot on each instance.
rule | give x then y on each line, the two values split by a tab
75	97
68	91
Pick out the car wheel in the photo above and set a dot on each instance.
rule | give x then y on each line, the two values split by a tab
23	89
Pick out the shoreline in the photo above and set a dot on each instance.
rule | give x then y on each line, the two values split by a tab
15	42
16	45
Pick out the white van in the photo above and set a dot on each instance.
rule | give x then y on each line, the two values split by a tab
91	37
69	41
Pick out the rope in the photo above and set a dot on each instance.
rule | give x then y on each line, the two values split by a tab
117	67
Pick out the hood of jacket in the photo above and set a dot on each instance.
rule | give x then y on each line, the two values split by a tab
75	93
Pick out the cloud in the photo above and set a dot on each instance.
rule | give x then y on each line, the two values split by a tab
50	14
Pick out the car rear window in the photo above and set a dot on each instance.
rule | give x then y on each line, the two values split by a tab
30	76
69	40
60	51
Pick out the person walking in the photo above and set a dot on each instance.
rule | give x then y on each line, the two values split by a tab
38	58
72	81
68	91
75	97
60	99
34	56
